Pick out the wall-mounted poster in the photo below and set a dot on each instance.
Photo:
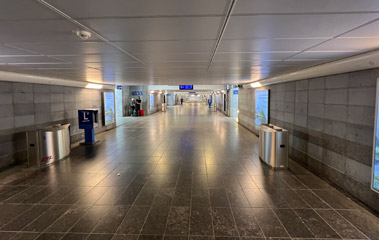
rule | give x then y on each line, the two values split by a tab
261	107
108	108
151	102
375	160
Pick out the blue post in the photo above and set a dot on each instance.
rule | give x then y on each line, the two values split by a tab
89	135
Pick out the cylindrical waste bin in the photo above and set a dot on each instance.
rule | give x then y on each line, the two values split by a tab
49	144
163	107
273	146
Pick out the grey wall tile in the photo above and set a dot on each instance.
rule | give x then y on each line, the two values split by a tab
314	150
56	116
302	85
42	118
362	96
361	115
335	112
358	171
41	88
22	97
6	122
360	134
57	107
337	81
22	87
6	98
6	111
42	98
316	96
301	97
316	124
23	109
289	86
365	78
22	121
289	107
334	160
316	110
301	108
335	128
301	120
42	108
336	96
56	97
5	87
316	83
289	96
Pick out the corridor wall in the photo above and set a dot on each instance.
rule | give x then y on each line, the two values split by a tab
331	124
26	106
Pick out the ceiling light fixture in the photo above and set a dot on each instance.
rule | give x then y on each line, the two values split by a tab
256	85
84	35
94	86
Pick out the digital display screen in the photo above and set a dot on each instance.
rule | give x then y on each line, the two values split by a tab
109	109
185	87
375	161
261	107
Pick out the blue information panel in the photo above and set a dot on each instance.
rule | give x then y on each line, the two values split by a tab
261	107
375	161
137	93
185	87
109	113
235	92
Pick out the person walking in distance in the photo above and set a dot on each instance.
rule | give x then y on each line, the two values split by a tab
210	102
138	105
181	101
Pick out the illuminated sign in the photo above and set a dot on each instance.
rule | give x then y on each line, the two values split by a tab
137	93
109	109
185	87
375	158
261	107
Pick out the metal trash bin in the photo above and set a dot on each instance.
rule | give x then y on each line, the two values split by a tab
273	146
163	107
49	144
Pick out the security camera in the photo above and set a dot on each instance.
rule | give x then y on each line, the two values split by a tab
84	35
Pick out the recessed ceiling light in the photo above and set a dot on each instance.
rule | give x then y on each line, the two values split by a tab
84	35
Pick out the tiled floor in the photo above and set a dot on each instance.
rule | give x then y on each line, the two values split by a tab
184	174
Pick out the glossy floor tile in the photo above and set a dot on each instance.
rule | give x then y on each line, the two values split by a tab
185	174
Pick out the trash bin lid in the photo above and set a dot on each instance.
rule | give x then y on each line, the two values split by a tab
53	128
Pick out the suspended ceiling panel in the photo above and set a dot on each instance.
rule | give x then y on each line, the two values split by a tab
173	41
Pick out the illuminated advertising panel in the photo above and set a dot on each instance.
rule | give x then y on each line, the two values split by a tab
261	107
375	158
108	108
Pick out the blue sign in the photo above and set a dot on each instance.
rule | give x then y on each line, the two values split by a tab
137	93
235	92
87	118
119	87
185	87
168	94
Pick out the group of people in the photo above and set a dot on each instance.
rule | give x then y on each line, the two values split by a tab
135	106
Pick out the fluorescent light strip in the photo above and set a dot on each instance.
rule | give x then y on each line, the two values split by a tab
256	85
94	86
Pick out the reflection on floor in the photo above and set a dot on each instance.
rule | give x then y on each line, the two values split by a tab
184	174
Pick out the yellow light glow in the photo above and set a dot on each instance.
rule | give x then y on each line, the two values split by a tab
94	86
